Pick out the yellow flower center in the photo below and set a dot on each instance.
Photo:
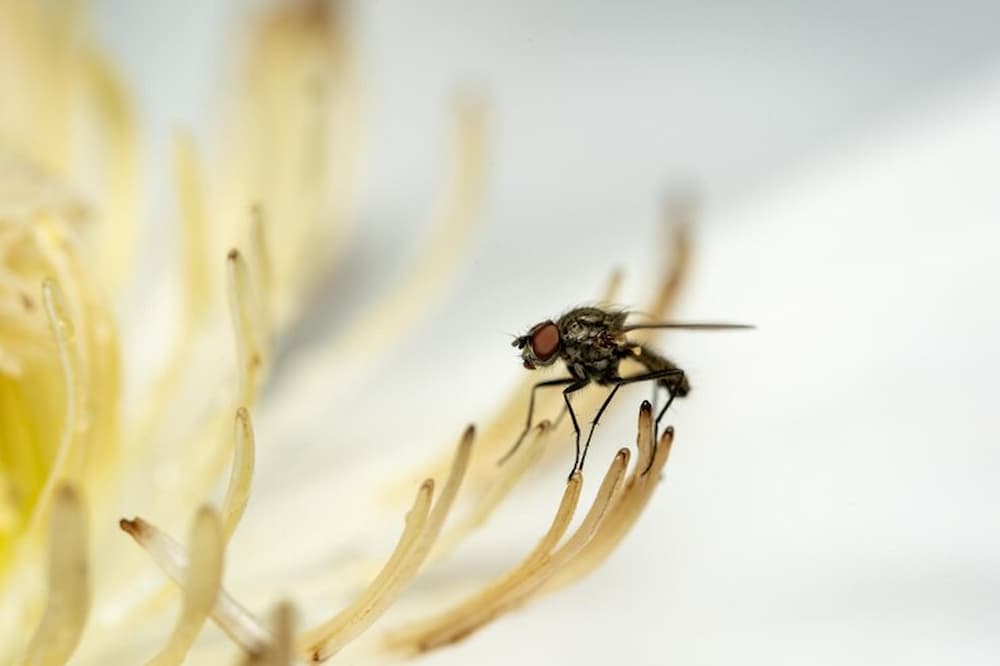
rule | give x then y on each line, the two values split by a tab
58	353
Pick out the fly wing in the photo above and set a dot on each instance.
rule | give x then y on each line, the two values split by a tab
690	326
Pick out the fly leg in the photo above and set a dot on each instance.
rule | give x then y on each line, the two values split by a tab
572	388
671	383
531	411
672	377
593	424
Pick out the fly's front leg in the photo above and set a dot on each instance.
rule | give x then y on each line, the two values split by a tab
593	424
531	411
572	388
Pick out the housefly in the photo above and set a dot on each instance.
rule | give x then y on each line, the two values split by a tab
592	342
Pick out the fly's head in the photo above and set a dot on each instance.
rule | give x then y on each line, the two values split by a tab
540	346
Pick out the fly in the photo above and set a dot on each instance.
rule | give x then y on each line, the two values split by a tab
592	342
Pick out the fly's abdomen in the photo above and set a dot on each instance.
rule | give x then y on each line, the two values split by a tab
655	363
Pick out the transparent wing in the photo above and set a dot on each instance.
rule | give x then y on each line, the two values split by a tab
690	326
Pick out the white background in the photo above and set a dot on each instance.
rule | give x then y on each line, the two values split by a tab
833	496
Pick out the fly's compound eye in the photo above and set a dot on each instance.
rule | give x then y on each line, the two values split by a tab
545	341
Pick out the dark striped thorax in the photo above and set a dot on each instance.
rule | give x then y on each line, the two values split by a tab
593	342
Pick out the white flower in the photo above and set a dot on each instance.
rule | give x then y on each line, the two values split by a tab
75	451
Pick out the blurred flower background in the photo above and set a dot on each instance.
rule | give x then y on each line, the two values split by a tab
831	497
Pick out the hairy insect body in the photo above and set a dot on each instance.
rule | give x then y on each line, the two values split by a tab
655	363
592	342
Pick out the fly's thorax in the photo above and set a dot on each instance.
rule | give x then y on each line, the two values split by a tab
587	321
593	342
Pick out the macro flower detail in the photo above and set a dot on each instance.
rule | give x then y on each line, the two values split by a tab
80	447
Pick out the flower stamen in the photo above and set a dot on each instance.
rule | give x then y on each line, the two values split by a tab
190	194
63	333
201	588
507	477
324	641
515	586
455	218
245	315
238	491
236	621
281	651
68	604
627	508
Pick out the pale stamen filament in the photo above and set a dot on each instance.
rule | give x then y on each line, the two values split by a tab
63	332
513	588
281	650
236	498
263	271
236	621
56	637
189	185
506	478
203	580
245	315
238	491
329	638
395	313
625	511
317	642
197	286
116	124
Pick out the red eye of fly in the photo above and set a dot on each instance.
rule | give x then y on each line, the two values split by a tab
545	340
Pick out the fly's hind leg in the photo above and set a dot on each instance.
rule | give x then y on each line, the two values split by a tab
672	378
672	383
